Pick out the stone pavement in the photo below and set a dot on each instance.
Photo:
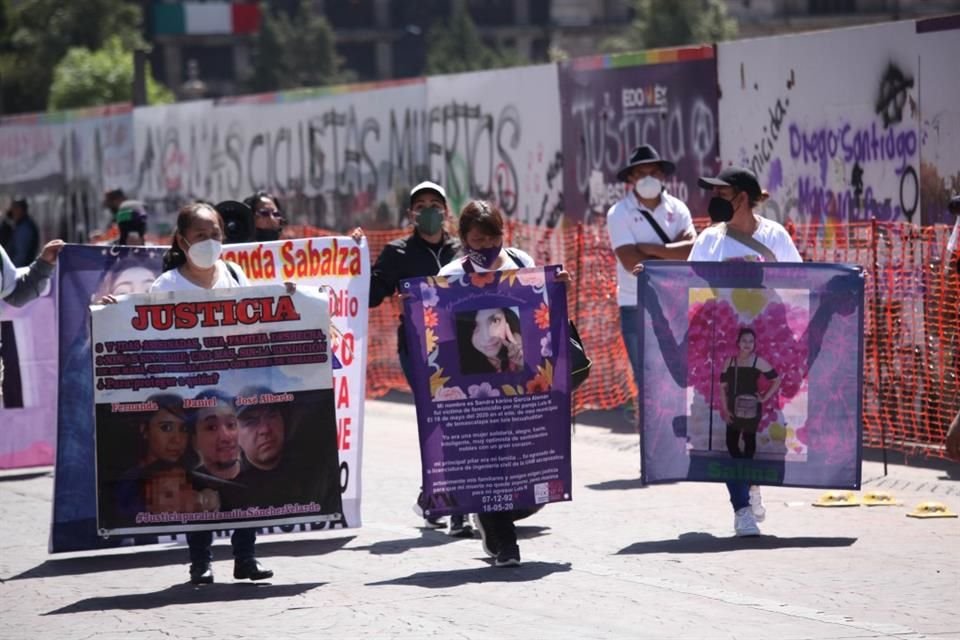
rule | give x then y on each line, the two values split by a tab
620	561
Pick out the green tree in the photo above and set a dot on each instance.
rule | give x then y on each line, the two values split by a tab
673	23
290	53
456	46
86	78
40	32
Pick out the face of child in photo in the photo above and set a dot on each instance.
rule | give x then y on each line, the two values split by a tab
261	436
217	437
490	332
133	280
166	436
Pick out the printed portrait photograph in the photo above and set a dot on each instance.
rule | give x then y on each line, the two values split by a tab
746	373
211	451
489	341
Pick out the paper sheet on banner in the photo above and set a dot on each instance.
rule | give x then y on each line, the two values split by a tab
214	408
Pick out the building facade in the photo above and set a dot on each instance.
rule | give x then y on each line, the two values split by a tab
205	47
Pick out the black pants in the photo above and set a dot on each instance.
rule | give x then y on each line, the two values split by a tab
733	442
500	526
199	542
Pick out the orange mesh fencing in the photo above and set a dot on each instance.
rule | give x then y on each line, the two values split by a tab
911	389
911	377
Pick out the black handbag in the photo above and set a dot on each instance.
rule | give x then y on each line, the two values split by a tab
580	364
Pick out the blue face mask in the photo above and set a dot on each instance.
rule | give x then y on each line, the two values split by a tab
484	258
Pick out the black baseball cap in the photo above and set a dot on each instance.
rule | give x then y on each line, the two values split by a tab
736	177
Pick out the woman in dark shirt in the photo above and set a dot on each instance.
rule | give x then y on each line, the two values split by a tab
743	404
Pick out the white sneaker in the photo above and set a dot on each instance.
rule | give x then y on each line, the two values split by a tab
745	523
756	504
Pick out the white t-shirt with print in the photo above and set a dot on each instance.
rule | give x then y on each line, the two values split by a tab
455	267
713	244
173	280
626	225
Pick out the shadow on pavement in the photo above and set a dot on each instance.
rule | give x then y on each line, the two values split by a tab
188	594
435	538
144	558
618	420
428	538
698	542
24	474
445	579
527	532
623	484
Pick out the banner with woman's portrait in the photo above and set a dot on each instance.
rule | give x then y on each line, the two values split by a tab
214	409
490	356
751	372
84	274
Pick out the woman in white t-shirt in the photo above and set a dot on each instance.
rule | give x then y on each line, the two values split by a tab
481	236
193	259
741	234
193	262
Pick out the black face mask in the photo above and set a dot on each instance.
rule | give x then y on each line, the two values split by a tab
720	209
267	235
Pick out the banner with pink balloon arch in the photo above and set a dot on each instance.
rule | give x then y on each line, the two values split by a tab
751	372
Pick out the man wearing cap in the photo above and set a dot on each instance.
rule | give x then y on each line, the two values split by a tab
131	218
741	234
745	235
420	254
276	470
648	223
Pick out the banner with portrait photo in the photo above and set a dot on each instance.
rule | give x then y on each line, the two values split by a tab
214	409
490	355
341	266
28	404
751	372
84	274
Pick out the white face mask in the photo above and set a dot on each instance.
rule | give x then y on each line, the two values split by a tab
204	254
648	188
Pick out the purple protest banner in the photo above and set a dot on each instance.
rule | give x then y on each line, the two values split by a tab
751	372
612	104
85	274
491	373
28	402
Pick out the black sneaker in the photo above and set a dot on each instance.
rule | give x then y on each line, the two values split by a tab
459	527
487	540
250	569
201	573
508	557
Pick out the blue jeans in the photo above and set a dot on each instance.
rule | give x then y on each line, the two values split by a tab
199	542
739	494
629	317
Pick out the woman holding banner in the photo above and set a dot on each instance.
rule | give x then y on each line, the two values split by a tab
492	336
193	262
742	234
